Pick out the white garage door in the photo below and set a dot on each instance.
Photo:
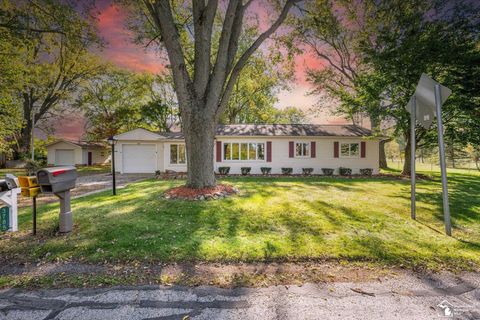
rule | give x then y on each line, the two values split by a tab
139	158
64	157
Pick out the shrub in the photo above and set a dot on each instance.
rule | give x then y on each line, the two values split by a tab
158	173
287	170
32	166
366	171
307	171
345	171
223	170
245	170
266	170
328	171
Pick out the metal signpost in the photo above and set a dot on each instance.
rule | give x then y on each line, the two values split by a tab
424	105
112	141
413	111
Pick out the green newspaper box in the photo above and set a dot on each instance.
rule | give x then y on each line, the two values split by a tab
4	218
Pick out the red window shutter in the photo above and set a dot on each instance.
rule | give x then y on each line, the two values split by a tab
335	149
313	149
219	151
363	149
269	151
290	149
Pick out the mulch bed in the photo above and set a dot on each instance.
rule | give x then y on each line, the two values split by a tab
210	193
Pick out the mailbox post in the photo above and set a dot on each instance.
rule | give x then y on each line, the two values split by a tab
9	190
31	189
59	181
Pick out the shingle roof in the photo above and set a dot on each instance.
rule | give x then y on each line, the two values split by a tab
82	144
288	130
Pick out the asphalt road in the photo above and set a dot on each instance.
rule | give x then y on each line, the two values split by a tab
406	296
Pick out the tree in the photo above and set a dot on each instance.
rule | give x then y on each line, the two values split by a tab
474	154
204	85
402	41
255	92
11	69
161	113
332	30
52	39
112	102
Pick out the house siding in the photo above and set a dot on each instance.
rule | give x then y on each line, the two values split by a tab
324	156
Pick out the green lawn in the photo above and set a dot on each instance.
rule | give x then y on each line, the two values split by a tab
360	220
82	171
17	172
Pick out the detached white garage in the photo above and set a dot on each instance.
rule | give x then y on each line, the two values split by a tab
78	153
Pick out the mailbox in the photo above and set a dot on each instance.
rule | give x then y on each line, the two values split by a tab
3	185
12	181
57	179
29	185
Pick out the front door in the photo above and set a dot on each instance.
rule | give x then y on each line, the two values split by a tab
90	157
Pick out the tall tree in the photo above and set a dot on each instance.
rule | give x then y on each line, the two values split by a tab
332	30
204	85
406	38
376	52
112	102
56	37
161	112
11	68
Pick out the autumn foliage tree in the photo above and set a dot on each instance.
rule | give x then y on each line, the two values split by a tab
205	82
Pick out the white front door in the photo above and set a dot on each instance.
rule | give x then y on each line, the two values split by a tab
64	157
139	158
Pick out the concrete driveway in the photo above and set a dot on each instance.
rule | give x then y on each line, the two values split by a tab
408	296
91	183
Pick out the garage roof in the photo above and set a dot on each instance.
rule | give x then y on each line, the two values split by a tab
81	144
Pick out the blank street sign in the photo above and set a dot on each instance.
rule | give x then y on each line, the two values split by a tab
425	95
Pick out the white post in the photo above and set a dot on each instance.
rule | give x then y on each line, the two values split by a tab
412	157
443	166
10	199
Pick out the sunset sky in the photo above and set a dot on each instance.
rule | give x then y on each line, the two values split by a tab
121	51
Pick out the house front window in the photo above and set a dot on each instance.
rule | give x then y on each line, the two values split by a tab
302	149
177	154
349	150
243	151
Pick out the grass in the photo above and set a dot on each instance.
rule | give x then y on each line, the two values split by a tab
82	171
17	172
291	218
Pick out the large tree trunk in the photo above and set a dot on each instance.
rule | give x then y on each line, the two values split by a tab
407	164
375	125
24	140
383	156
199	139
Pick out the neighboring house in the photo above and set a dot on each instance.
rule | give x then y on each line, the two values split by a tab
63	152
277	146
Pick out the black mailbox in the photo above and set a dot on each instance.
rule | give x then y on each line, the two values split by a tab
3	186
57	179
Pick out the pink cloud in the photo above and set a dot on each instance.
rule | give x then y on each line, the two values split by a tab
120	49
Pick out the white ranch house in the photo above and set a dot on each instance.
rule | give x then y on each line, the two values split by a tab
277	146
